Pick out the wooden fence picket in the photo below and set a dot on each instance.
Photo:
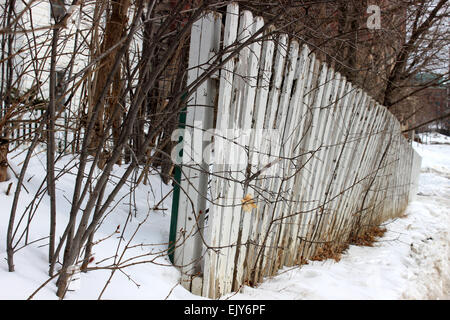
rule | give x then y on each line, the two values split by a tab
214	262
257	149
192	203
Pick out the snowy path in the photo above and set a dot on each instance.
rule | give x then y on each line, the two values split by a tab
411	261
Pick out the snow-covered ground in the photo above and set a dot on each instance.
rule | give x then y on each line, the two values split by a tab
433	138
411	261
153	280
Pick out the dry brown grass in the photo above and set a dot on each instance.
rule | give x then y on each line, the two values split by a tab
329	251
368	237
334	251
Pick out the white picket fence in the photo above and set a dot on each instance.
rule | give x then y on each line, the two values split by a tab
342	164
24	127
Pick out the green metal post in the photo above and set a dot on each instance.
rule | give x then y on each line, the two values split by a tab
176	193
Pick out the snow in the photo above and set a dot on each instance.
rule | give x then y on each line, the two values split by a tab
153	280
411	261
434	138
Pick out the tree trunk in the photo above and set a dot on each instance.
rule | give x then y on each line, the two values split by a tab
4	143
115	26
51	114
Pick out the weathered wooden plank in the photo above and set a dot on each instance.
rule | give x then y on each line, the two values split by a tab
249	108
313	146
372	167
354	186
257	142
199	116
286	123
371	154
259	146
340	116
344	160
323	169
293	137
302	145
278	70
269	123
351	185
192	75
313	206
237	169
301	98
217	219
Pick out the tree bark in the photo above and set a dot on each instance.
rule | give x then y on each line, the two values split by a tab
51	114
115	26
